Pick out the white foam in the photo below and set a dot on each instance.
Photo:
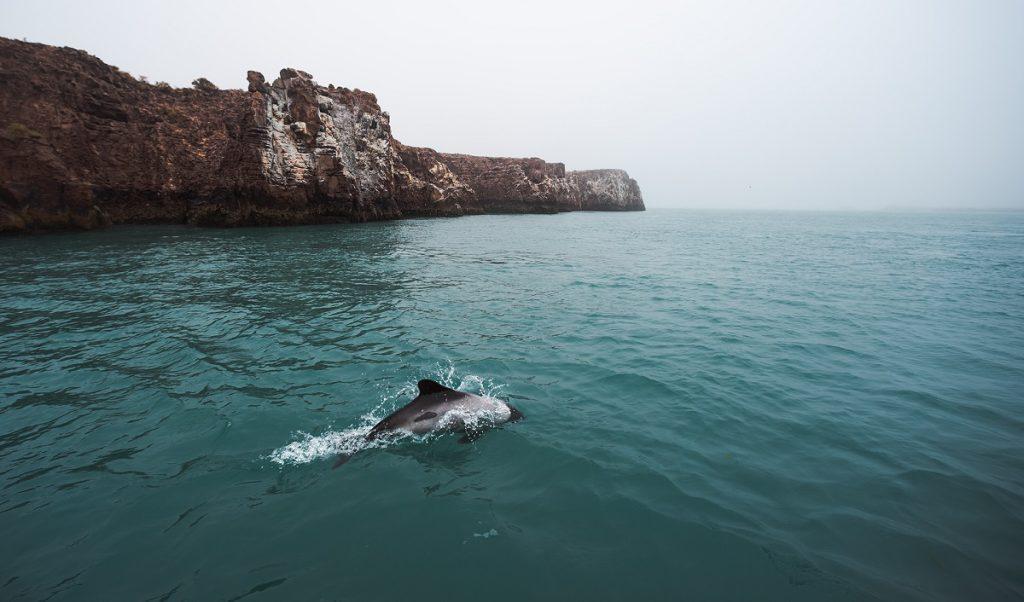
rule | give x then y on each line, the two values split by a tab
310	448
329	444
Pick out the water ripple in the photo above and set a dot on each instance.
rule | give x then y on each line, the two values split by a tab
721	406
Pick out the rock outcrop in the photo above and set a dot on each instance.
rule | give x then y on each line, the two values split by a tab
607	190
84	145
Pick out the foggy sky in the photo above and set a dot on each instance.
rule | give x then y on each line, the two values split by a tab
829	105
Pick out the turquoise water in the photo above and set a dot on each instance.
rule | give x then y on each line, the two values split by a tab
728	406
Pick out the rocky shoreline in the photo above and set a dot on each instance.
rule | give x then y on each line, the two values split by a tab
84	145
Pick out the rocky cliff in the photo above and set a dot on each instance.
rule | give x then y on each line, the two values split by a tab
84	145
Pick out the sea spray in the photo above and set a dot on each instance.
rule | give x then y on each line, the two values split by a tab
310	448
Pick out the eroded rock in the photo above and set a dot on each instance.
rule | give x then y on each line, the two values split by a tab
83	145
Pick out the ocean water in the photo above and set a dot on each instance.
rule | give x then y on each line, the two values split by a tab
720	406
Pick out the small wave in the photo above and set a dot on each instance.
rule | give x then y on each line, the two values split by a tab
310	448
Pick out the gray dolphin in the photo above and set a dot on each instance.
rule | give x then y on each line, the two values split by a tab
439	408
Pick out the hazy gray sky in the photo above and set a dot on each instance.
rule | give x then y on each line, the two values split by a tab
833	105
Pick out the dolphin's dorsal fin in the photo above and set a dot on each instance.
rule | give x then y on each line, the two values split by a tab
428	387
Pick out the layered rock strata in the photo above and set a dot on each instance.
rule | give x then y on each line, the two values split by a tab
83	145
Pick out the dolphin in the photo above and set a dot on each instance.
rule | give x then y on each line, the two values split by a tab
438	408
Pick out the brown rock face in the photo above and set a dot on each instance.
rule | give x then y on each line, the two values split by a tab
515	185
84	145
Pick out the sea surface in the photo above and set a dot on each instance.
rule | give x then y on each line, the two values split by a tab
719	406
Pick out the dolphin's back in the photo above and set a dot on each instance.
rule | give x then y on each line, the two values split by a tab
433	401
428	410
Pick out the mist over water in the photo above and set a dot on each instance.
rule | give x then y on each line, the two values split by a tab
720	405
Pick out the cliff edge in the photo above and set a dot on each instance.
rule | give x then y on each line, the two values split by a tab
84	145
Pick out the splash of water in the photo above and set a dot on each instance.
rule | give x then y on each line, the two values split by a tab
310	448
